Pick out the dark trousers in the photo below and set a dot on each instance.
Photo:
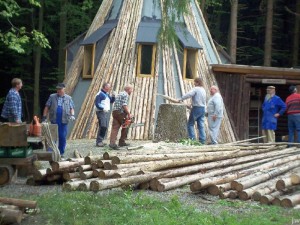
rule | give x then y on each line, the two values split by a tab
118	118
102	125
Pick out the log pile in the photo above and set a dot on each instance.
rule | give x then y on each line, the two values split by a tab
12	211
261	172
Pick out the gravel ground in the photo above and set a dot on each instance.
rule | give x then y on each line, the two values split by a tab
201	201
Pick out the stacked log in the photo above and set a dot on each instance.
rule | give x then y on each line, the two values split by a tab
265	173
12	210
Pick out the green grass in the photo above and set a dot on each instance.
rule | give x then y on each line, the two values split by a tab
84	208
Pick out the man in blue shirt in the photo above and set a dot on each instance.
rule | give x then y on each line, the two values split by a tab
273	107
12	109
60	108
102	107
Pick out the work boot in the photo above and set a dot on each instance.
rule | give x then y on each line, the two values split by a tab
123	144
114	146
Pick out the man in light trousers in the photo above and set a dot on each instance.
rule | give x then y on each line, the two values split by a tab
215	108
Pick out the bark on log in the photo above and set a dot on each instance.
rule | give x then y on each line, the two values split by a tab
172	128
82	168
98	185
118	173
86	175
58	166
19	202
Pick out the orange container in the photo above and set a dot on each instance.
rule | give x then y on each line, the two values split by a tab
35	128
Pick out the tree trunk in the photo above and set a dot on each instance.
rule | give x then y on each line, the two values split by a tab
171	128
233	30
268	33
37	65
267	199
296	38
62	37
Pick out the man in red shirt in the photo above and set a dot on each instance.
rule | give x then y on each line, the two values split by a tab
293	110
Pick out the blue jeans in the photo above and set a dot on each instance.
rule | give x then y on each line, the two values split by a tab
294	125
197	114
62	130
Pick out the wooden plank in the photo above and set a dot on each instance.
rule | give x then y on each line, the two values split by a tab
12	134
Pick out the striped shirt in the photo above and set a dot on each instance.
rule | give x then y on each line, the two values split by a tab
12	106
121	100
293	104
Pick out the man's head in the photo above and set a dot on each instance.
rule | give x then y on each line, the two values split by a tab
106	87
16	83
128	88
271	90
60	89
198	82
213	90
292	89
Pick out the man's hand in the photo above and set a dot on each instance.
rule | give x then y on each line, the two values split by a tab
179	100
72	118
214	117
113	94
276	115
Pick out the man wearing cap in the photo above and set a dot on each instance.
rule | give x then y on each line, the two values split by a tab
273	107
60	108
293	110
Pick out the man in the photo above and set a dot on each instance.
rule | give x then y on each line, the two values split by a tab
102	106
198	96
60	108
215	107
272	107
12	108
120	112
293	111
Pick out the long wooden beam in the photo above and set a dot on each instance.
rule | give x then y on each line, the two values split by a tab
262	70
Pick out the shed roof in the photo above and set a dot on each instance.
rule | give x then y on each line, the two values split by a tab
148	31
185	37
100	32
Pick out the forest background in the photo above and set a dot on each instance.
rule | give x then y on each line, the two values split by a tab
34	33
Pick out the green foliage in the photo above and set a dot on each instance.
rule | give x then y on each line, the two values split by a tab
137	208
172	13
17	37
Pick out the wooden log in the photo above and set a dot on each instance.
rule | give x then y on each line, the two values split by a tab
44	156
68	176
6	174
101	162
118	173
217	189
94	166
82	168
267	199
19	202
39	174
54	177
267	175
86	175
98	185
57	166
295	178
72	186
96	172
291	200
284	183
9	216
277	200
91	159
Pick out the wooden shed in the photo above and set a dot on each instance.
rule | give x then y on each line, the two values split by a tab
244	88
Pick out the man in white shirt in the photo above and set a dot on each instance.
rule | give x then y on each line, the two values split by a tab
215	108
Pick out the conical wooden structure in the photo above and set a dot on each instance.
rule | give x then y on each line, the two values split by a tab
121	47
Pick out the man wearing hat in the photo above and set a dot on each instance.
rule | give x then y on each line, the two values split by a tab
293	110
60	108
273	107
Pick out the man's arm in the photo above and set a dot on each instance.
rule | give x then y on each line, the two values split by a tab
188	95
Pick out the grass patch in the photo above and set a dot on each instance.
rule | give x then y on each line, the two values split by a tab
78	208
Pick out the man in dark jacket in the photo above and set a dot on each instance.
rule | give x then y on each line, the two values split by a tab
102	107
